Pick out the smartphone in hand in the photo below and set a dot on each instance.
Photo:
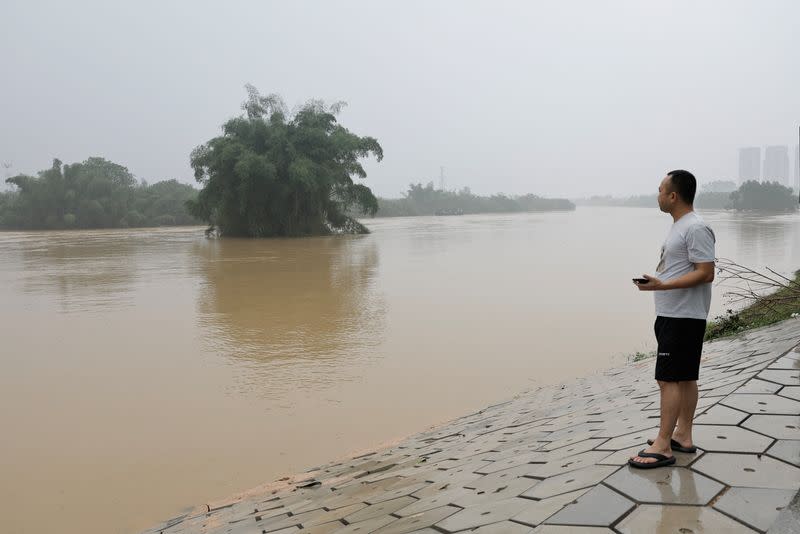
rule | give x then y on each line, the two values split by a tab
640	280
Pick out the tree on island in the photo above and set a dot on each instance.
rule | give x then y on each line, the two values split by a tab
272	173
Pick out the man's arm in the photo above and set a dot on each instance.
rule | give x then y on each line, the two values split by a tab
703	273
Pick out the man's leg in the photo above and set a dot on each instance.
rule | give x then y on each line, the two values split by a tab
670	409
688	393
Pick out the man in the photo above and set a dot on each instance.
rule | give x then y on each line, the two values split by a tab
682	295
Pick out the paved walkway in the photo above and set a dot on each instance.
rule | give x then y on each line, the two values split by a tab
554	461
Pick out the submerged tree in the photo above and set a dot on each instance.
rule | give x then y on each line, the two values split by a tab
272	173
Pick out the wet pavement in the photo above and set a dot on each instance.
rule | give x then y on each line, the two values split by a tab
553	460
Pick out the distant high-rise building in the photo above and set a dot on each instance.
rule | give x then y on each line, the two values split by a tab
749	164
797	168
776	165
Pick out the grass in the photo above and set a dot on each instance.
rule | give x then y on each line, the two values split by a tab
771	309
639	356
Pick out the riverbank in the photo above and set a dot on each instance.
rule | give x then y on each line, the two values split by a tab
773	308
555	456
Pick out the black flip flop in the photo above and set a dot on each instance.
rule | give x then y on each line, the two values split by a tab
677	447
661	460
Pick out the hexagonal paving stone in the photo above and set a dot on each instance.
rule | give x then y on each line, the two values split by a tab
720	415
682	459
377	510
721	391
564	465
332	515
787	378
390	494
759	386
508	463
685	519
756	507
674	485
786	450
612	429
430	502
762	404
456	475
362	527
504	527
508	454
515	488
571	450
777	426
786	363
600	506
239	528
564	483
326	528
537	511
629	440
562	529
725	438
749	470
480	515
309	519
418	521
433	489
500	479
570	439
792	392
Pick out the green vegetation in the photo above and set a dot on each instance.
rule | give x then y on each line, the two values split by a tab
96	193
770	196
772	308
425	200
275	174
750	196
639	356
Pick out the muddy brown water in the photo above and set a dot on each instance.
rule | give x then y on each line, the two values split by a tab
143	371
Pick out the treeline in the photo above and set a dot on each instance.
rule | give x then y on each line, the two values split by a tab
96	193
750	196
425	200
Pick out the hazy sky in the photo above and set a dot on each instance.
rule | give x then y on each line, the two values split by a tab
556	98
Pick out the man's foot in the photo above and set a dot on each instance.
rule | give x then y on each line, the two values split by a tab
659	460
651	456
683	441
679	445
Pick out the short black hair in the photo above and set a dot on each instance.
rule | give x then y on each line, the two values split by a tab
683	183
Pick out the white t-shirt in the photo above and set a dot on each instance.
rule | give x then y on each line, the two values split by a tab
690	241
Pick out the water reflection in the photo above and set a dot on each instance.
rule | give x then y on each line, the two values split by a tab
92	273
293	311
100	270
762	240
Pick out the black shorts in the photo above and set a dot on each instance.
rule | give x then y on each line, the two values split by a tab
680	343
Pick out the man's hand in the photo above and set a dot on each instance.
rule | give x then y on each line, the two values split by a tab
703	273
652	284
